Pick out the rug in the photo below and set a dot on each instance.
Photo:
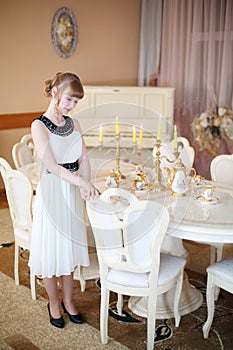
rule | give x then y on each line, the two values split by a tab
25	325
6	228
129	331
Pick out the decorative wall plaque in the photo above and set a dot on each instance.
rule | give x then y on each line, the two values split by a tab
64	32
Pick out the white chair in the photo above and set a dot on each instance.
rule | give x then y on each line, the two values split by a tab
22	154
220	275
221	171
27	139
187	153
84	273
19	196
128	234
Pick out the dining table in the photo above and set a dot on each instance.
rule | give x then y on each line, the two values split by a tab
191	218
32	171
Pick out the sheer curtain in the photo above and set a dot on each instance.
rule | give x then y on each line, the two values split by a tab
196	57
150	37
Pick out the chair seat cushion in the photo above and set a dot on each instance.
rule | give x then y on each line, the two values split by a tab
222	269
170	266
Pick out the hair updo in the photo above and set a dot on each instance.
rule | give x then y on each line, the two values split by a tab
62	81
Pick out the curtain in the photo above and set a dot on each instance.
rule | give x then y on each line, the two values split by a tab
196	57
150	37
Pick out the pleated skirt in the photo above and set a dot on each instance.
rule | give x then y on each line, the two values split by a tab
59	239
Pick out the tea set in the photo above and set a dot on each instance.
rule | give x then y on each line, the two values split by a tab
207	195
179	179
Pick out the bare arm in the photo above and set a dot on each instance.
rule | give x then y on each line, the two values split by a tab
41	140
84	163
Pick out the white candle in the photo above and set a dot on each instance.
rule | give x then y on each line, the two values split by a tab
175	139
117	126
140	137
100	134
134	134
159	129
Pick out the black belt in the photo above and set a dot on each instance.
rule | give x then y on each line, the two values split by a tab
72	167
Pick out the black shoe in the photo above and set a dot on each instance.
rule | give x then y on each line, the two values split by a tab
56	322
73	318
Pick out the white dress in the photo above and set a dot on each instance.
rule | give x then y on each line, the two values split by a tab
59	240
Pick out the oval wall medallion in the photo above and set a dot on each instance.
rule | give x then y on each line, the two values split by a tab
64	32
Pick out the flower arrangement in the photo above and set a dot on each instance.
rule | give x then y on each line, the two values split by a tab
210	128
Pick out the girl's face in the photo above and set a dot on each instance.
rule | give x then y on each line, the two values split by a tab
67	102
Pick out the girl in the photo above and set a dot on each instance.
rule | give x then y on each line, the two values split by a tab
59	240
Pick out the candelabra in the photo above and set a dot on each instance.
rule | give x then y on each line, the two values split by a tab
116	175
137	150
158	184
118	157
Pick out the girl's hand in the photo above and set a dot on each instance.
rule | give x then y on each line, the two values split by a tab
88	191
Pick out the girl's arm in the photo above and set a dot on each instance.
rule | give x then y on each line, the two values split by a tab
84	163
41	141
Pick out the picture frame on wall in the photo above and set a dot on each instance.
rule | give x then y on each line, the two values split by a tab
64	32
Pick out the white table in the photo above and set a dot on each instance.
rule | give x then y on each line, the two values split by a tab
190	219
194	220
205	222
32	171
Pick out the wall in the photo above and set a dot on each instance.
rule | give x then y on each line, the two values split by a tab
106	54
107	51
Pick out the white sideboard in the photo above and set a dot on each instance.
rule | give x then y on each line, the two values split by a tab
132	105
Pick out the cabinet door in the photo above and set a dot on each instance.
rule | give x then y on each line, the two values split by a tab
117	96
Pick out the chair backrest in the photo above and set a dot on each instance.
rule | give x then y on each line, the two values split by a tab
187	152
128	236
19	195
22	154
27	139
221	169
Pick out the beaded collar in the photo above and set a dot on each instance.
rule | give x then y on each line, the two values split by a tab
64	130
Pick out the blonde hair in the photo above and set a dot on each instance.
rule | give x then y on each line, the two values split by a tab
62	81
